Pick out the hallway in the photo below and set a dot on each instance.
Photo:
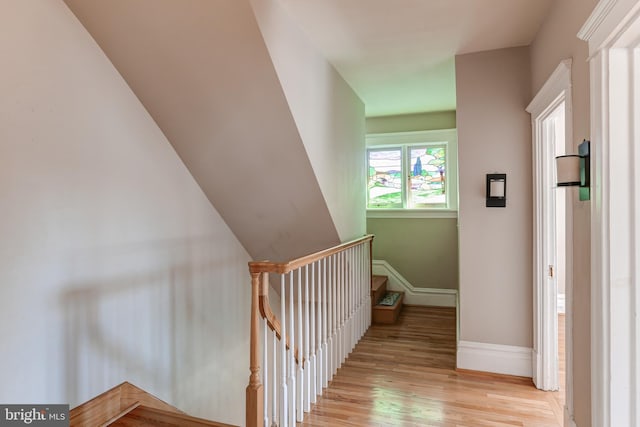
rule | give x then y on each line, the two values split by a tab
404	375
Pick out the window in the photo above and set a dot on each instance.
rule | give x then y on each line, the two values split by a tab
385	178
412	171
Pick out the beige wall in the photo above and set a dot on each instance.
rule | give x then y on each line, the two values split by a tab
424	251
556	41
412	122
203	71
114	264
494	135
328	115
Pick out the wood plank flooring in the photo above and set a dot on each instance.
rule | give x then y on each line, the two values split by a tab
404	375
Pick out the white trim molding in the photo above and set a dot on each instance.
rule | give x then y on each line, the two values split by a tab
420	136
545	370
613	32
495	358
595	20
606	22
412	213
413	295
558	82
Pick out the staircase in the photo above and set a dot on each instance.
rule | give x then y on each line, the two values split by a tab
145	416
386	305
128	405
298	347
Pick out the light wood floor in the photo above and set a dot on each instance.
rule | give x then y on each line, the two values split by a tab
404	375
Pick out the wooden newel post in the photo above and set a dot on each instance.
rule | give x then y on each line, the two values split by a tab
254	389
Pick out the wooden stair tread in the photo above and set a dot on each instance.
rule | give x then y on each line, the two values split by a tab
145	416
378	288
112	404
126	405
377	282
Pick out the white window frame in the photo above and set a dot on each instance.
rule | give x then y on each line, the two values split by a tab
406	140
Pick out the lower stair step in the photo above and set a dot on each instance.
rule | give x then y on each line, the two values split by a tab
388	314
378	288
144	416
127	405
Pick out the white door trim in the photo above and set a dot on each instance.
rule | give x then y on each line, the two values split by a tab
555	91
612	32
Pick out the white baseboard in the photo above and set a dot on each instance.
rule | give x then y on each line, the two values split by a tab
413	295
499	359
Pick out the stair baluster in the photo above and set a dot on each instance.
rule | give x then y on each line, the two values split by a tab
299	413
307	329
265	373
334	316
274	384
323	335
313	369
291	368
284	398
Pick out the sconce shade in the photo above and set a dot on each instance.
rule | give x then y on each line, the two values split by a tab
568	170
496	190
575	169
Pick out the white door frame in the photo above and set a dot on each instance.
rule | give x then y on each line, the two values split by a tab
613	33
556	90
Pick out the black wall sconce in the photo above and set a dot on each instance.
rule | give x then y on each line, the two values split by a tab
496	190
573	170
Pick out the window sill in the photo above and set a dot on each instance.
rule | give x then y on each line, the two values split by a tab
412	213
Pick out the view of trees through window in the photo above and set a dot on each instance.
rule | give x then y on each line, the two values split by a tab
425	183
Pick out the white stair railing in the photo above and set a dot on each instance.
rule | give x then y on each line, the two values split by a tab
325	308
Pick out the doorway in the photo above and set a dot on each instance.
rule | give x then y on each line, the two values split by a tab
554	247
551	121
555	138
561	256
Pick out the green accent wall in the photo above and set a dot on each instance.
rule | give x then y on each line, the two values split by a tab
423	250
412	122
